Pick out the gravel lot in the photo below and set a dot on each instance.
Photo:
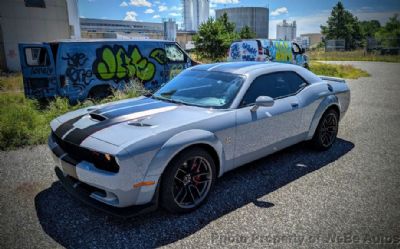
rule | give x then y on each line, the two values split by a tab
295	198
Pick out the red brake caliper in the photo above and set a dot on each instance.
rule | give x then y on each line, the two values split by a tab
196	168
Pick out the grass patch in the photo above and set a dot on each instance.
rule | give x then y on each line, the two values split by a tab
357	55
24	122
334	70
11	82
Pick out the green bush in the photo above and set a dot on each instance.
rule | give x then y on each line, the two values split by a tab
25	122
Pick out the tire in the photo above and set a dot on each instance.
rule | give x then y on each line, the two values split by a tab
187	181
326	132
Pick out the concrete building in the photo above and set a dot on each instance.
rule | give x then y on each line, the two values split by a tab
257	18
286	31
170	28
310	40
195	12
34	21
115	26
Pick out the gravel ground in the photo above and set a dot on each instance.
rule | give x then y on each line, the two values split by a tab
345	197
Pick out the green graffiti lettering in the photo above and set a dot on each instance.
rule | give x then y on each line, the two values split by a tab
114	63
159	55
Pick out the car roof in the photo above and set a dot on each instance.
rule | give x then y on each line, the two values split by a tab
243	67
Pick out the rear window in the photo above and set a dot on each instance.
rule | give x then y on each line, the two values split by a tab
37	56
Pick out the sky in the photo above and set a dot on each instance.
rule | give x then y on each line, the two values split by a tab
309	14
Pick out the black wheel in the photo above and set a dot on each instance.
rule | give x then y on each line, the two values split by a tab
187	181
327	129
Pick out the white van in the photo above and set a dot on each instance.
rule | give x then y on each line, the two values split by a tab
268	50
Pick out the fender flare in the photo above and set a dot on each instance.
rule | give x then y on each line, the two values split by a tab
326	103
181	141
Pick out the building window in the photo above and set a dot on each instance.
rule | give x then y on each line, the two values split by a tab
35	3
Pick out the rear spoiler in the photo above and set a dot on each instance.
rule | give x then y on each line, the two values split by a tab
332	79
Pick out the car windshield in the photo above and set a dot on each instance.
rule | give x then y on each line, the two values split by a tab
202	88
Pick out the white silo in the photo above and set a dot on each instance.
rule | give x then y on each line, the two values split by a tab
73	19
195	12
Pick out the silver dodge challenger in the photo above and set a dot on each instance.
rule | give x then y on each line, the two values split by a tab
167	149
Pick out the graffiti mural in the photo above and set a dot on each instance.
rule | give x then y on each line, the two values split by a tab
175	70
283	51
235	51
76	71
115	63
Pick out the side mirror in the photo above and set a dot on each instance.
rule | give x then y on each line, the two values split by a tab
263	101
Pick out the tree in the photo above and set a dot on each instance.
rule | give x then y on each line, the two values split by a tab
389	35
228	26
214	38
247	33
343	25
369	28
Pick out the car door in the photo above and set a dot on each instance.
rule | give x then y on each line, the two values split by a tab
38	70
268	129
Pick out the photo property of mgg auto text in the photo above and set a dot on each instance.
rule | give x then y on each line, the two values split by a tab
199	124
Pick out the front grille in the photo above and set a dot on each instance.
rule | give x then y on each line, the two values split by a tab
79	154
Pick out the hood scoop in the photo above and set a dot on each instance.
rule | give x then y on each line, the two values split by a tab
97	117
139	124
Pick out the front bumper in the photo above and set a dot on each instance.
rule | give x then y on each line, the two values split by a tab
111	192
82	192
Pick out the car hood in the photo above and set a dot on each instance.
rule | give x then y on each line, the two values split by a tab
128	121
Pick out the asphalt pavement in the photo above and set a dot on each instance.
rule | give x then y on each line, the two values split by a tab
347	197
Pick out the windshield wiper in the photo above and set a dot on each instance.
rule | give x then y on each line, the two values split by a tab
167	99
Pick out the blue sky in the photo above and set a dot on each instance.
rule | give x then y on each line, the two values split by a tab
309	14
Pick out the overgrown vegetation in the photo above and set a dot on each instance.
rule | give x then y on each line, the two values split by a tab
355	55
341	71
25	122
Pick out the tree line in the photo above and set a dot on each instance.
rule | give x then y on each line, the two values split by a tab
342	24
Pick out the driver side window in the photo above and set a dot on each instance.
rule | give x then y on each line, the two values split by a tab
275	85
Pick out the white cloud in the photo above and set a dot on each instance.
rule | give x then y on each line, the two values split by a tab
124	4
225	1
140	3
279	11
149	11
130	16
175	8
174	14
156	16
157	2
162	8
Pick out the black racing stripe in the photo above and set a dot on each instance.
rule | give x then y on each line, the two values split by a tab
78	135
122	105
65	127
133	109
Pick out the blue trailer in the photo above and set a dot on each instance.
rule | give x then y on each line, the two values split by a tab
80	69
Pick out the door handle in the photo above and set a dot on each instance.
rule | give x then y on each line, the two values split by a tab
295	105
